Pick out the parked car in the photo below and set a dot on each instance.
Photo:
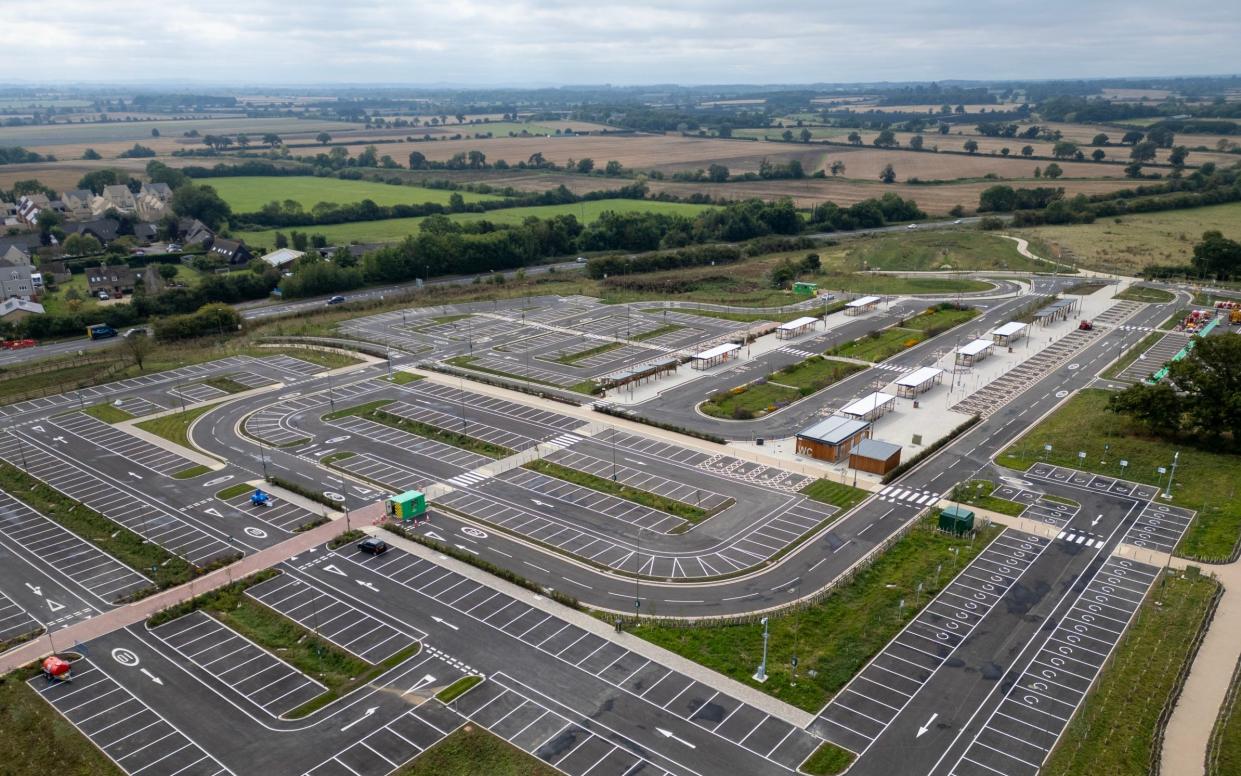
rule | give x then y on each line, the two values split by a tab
581	259
373	545
912	226
957	221
103	296
336	300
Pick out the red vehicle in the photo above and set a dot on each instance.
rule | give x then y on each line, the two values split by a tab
19	344
1085	325
57	669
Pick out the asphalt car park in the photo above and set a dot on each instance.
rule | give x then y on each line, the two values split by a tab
415	450
275	423
1159	527
293	365
279	513
138	406
250	379
85	565
117	442
15	622
865	707
250	671
587	498
1094	482
1022	730
397	742
640	478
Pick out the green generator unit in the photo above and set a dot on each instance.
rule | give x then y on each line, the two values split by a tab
805	288
407	506
956	520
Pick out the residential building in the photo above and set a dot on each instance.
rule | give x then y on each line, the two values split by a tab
15	280
194	232
17	309
115	281
153	200
56	270
29	205
77	204
232	251
117	197
102	229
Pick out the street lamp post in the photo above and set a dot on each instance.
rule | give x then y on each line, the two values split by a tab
1176	457
760	675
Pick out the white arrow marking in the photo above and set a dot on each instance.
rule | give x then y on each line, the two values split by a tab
333	570
60	439
213	512
445	623
467	549
368	713
52	605
423	682
367	585
1095	522
668	734
35	589
37	428
922	730
217	480
136	476
433	535
538	503
152	676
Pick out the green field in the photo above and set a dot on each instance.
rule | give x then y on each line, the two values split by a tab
1115	730
248	194
1205	477
116	131
870	283
1139	293
395	229
977	493
924	251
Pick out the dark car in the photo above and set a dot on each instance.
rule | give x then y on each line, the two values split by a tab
373	545
336	300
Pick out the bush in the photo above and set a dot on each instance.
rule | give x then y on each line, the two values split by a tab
218	319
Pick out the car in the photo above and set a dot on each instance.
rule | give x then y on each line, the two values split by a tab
373	545
912	226
173	248
957	221
336	300
137	331
103	296
581	259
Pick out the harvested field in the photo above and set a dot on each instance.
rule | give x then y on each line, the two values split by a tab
65	174
866	163
83	135
248	194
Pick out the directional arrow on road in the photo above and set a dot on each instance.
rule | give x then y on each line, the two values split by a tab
423	682
333	570
136	476
538	503
152	676
35	589
922	730
367	585
669	734
60	439
445	623
433	535
53	606
1095	522
368	713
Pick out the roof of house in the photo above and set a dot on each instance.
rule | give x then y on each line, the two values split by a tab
223	245
145	231
159	189
20	263
115	275
876	449
103	228
85	195
15	255
834	430
281	256
13	304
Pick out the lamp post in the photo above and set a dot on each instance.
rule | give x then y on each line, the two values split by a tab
1176	457
760	675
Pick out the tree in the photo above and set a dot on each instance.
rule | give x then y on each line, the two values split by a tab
915	142
477	159
782	274
138	346
613	168
1005	151
971	146
1098	154
1027	150
885	139
1133	170
201	202
806	135
888	175
1132	137
855	138
417	160
1177	157
282	240
584	166
1210	382
323	138
154	133
91	153
243	140
1160	136
1064	149
717	173
271	139
787	135
1099	140
299	240
1156	406
1053	171
80	244
810	263
1214	255
1144	151
838	168
537	160
167	271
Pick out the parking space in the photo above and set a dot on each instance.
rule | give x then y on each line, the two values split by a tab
430	451
502	408
469	426
196	392
117	442
1159	527
515	366
239	664
15	622
1151	361
45	541
128	731
1015	381
280	513
138	406
575	648
1035	709
587	498
872	700
399	741
341	623
274	424
514	713
250	379
1095	482
611	359
292	365
142	516
396	478
640	478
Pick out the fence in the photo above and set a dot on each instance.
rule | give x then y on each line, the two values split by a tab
114	367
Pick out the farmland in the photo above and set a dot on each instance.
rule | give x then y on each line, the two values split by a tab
928	251
395	229
248	194
1129	243
48	138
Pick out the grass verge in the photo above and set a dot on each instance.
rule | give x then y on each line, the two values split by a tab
687	512
347	537
233	491
1205	476
779	388
1176	318
107	413
37	740
1224	751
192	472
457	688
569	359
835	493
401	377
470	751
1131	355
653	333
827	760
1138	293
175	427
226	384
834	637
327	359
977	493
1118	725
879	345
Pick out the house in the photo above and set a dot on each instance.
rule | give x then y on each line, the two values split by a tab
8	214
56	270
194	232
77	203
146	232
15	280
232	251
16	255
29	205
152	282
831	439
117	197
105	230
153	200
282	258
17	309
114	281
160	191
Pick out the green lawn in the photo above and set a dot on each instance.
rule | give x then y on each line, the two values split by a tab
786	385
1205	477
249	194
472	751
885	344
835	493
457	688
653	333
328	359
1137	293
401	377
175	426
937	320
395	229
107	413
233	491
828	760
226	384
738	317
835	637
38	741
687	512
1115	730
977	493
870	283
924	251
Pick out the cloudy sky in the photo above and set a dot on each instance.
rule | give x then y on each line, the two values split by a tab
617	41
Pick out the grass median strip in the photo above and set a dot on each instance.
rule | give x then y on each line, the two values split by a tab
233	491
374	411
470	751
834	637
1116	728
1137	293
192	472
978	493
457	688
161	566
653	333
175	426
779	388
880	345
38	740
107	413
835	493
338	670
570	359
401	377
828	760
687	512
226	384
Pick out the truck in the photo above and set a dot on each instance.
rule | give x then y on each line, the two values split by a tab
1234	315
98	331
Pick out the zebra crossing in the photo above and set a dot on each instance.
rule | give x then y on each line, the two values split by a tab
467	479
914	496
1084	538
562	441
796	352
1146	329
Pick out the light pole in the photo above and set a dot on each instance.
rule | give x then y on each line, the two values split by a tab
1176	457
637	577
760	675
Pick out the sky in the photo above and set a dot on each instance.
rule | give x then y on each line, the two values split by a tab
622	42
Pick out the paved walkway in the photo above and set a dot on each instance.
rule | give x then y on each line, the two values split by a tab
138	611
